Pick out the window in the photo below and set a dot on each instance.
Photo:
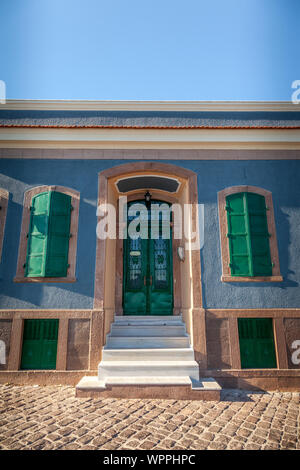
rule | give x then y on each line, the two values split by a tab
257	343
248	238
39	344
48	236
3	209
248	235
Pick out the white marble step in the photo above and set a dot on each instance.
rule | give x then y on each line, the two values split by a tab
142	342
148	320
167	354
120	318
148	369
93	383
147	330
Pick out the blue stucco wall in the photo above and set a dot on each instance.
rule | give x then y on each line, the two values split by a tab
280	177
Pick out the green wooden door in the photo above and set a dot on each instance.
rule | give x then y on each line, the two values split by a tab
39	344
148	267
257	343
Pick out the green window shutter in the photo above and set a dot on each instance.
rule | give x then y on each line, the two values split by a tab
58	235
49	234
257	347
39	344
38	235
260	245
248	235
238	235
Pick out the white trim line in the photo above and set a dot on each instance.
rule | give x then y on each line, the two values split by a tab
139	137
126	105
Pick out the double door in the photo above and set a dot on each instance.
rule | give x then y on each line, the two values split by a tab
148	267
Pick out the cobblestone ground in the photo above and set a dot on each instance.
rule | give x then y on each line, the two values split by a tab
34	417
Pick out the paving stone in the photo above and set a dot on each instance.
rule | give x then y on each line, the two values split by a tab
235	445
217	445
168	444
51	417
288	445
99	441
208	436
147	445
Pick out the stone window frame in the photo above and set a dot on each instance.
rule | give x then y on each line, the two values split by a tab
75	200
4	196
225	255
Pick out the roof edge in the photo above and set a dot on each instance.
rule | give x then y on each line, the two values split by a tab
57	126
135	105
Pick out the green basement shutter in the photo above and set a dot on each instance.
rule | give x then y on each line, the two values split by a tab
248	235
49	234
39	344
257	343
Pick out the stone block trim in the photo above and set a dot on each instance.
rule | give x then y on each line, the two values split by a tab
5	334
4	196
81	338
75	344
218	343
78	344
292	334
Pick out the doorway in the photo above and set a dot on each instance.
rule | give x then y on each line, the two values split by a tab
109	268
148	261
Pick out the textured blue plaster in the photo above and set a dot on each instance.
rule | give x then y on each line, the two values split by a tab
280	177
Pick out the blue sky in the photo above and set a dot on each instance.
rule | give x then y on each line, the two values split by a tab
156	49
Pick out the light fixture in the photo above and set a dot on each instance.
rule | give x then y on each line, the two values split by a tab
147	199
181	253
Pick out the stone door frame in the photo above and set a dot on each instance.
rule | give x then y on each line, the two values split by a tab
109	254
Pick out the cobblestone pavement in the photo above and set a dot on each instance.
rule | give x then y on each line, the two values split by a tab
51	417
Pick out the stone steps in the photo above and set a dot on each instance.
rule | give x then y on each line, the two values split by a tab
148	357
147	330
141	368
148	320
93	382
143	342
157	354
150	388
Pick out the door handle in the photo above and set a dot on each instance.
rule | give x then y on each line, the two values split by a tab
150	280
145	281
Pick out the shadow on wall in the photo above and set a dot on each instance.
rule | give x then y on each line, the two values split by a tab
283	233
284	241
217	342
244	292
78	344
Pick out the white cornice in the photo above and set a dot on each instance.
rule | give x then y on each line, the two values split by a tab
151	138
109	105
